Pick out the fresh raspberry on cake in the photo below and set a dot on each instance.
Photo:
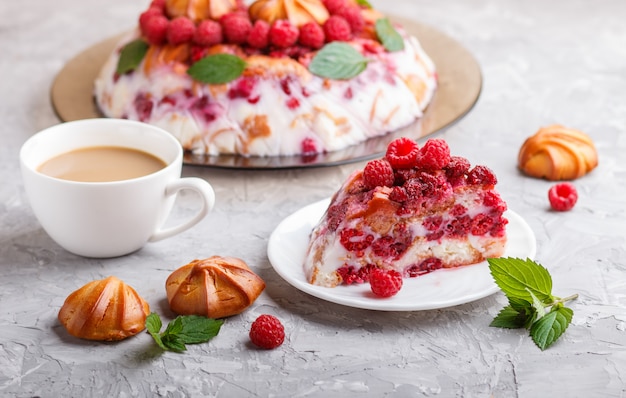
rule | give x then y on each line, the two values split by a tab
149	13
208	33
412	212
155	29
236	27
283	34
334	6
259	35
354	17
180	30
312	35
336	28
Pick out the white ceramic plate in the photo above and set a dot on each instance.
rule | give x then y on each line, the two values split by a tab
442	288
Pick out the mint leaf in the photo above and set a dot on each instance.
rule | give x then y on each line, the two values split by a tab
518	278
217	69
548	329
528	286
388	35
364	3
184	329
131	56
509	318
338	60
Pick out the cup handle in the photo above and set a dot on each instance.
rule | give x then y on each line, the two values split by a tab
208	201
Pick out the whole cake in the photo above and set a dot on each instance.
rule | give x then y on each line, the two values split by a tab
278	77
414	211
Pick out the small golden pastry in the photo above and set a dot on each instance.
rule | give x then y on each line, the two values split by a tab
558	153
106	309
197	10
216	287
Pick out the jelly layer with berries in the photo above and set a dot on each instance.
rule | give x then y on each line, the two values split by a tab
277	107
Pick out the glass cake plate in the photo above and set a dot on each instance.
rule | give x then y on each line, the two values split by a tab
460	83
439	289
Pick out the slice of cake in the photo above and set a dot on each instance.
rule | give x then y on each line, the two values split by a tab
414	211
280	77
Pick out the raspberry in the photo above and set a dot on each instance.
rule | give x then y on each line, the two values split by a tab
481	175
387	246
402	153
312	35
385	283
352	14
434	155
283	34
398	194
308	146
457	167
180	30
459	226
243	88
350	275
155	29
492	199
267	332
334	6
236	27
563	196
336	28
158	4
259	35
426	266
481	224
499	227
432	223
208	33
378	173
149	13
354	240
143	106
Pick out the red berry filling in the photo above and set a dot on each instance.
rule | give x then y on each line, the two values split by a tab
563	196
354	240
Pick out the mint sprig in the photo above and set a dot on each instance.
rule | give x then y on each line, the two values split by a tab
338	60
388	35
217	69
528	286
131	56
185	329
364	3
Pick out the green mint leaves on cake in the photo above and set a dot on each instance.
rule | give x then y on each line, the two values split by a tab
131	56
528	286
339	61
388	36
217	69
364	3
185	329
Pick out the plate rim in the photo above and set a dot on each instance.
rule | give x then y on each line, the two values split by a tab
71	95
379	304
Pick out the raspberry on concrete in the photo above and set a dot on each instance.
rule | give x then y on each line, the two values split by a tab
563	196
267	332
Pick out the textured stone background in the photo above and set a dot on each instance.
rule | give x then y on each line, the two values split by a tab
543	62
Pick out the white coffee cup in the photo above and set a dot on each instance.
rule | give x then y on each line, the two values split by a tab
108	219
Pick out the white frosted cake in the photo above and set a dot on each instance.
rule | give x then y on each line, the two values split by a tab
275	78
